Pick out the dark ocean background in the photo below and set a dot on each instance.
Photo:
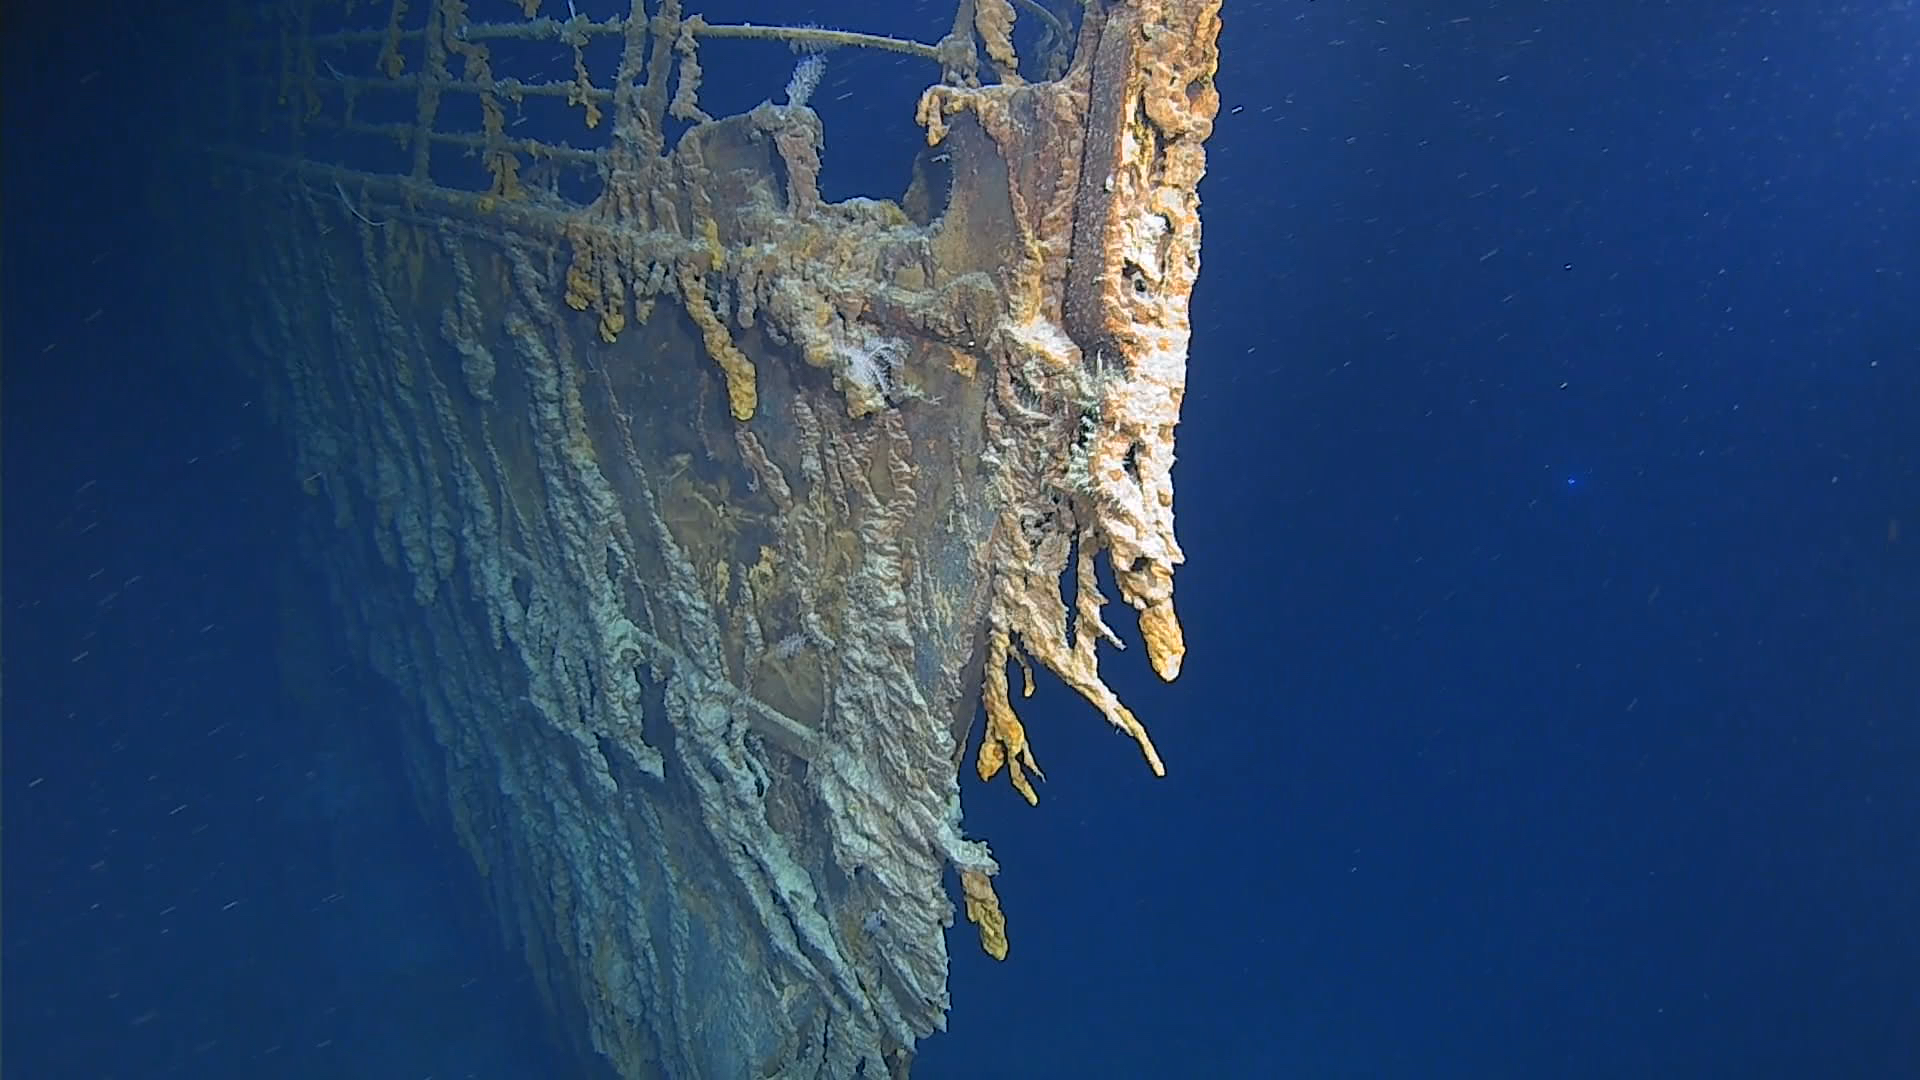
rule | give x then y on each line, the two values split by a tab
1550	485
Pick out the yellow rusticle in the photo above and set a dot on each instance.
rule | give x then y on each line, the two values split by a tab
983	911
580	92
1006	739
582	292
742	395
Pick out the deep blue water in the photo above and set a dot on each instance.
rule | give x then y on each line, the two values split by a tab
1551	492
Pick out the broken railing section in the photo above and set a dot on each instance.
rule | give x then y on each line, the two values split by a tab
629	246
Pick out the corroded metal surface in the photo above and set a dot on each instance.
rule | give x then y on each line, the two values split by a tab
692	517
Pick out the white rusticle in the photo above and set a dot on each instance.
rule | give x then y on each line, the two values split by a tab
806	76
